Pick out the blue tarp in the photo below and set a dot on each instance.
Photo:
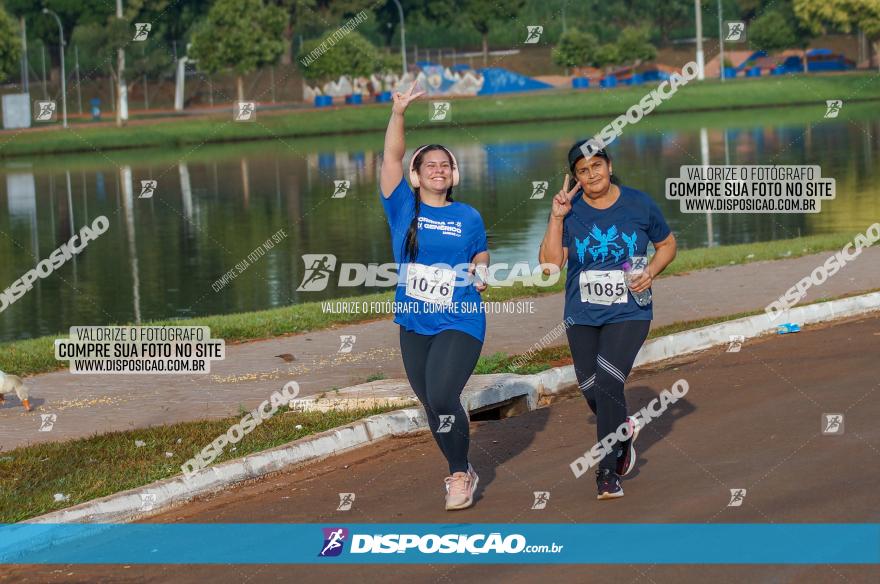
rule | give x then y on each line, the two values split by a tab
748	62
499	80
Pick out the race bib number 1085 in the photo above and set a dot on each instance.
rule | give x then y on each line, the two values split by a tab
604	287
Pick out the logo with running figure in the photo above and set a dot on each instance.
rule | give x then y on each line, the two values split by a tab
832	424
334	541
533	34
318	269
245	111
440	111
148	187
736	31
346	500
736	343
346	343
142	30
446	423
541	499
340	188
539	189
737	496
44	111
832	107
47	421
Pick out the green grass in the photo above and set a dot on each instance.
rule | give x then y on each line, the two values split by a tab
542	106
100	465
33	356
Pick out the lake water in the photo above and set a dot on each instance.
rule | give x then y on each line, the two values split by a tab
162	256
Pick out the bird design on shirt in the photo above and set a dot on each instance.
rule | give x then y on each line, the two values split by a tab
630	241
581	247
605	242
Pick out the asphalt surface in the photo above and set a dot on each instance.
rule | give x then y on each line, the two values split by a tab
88	404
750	420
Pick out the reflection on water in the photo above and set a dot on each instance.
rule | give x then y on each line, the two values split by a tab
162	254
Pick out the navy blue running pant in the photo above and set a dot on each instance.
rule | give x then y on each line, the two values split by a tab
438	367
603	357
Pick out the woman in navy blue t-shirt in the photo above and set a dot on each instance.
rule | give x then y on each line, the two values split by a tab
438	244
601	229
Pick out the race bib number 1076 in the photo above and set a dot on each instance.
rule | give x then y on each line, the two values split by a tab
434	285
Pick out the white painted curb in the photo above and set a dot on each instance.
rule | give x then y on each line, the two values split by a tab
129	505
700	339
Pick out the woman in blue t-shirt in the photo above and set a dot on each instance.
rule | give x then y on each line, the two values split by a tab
602	228
438	244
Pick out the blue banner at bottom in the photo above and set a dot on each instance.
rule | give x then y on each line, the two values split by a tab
415	543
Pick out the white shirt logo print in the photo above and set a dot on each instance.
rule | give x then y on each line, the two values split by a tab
445	227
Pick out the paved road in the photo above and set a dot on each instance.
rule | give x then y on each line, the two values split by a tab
750	420
86	404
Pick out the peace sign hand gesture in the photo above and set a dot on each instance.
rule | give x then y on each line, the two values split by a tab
402	100
562	199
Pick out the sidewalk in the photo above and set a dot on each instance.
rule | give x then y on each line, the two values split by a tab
88	404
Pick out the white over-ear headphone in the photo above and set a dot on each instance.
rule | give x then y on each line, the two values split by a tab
414	175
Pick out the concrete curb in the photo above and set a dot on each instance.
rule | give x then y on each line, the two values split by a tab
487	391
130	505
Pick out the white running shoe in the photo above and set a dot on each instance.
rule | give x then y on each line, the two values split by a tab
460	489
627	461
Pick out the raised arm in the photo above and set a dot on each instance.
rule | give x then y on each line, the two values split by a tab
552	250
395	143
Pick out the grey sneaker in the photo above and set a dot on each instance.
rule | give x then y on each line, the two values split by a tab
460	488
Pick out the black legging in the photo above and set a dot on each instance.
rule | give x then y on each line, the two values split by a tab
438	366
603	357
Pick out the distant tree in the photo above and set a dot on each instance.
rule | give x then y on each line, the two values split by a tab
483	15
634	46
98	43
351	55
843	15
779	29
749	9
10	47
604	57
665	15
574	48
443	12
310	18
239	35
771	32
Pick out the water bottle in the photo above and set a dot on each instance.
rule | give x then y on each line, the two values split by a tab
631	269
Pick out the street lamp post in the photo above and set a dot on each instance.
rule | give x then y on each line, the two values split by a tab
63	73
402	35
721	41
700	62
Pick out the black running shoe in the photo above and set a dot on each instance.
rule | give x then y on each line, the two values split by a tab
627	459
608	484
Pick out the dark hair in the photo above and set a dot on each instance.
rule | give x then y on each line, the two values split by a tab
576	153
411	243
